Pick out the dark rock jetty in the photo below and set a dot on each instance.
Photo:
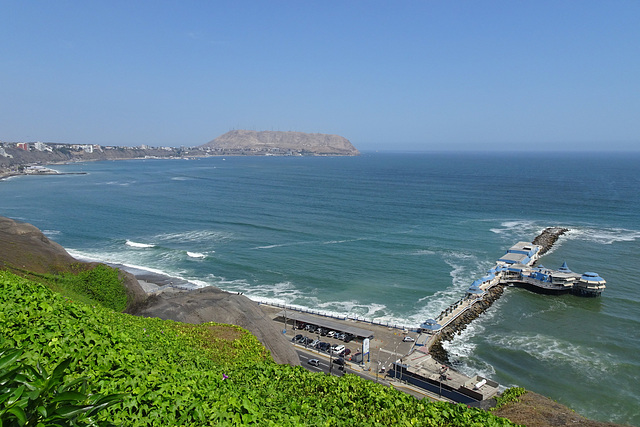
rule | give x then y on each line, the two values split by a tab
546	239
447	333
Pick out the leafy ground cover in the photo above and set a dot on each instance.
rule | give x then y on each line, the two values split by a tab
91	284
168	373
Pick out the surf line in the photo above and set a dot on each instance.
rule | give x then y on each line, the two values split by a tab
481	295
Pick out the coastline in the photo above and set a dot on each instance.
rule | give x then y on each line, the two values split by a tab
171	298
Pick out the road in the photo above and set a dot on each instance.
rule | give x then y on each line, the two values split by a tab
329	368
325	366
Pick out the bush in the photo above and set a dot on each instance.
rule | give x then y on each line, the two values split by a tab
31	396
509	395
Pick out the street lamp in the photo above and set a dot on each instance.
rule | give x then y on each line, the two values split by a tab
284	331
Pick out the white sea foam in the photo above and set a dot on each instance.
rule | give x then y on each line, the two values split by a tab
554	305
108	258
51	232
281	292
465	268
139	245
335	242
554	350
122	184
268	246
462	348
516	227
199	236
281	245
421	252
605	236
196	255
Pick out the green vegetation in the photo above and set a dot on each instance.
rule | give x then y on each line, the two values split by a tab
31	396
97	285
167	373
509	395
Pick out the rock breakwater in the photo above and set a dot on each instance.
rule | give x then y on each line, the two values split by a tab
454	328
546	239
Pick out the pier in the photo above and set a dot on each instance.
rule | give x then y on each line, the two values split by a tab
427	365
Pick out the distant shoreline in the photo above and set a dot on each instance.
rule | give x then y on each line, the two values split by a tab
4	176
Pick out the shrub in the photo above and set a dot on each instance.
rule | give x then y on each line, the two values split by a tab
31	396
509	395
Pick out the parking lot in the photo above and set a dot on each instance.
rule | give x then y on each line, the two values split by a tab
386	344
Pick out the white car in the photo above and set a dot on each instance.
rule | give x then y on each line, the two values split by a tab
337	349
408	339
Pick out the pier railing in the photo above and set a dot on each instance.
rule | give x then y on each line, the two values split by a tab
335	316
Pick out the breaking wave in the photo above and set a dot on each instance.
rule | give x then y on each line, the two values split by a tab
139	245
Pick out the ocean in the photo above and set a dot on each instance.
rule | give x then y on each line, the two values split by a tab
391	237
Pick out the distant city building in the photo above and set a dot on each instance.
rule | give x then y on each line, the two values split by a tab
23	146
85	148
39	146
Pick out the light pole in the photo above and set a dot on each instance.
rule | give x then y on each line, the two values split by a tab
378	360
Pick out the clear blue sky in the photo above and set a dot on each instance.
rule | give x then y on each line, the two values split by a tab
387	75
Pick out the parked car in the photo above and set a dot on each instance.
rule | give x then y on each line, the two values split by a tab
345	352
314	362
324	346
338	361
296	338
408	339
330	334
314	342
348	337
337	349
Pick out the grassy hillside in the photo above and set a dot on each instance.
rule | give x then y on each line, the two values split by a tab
177	374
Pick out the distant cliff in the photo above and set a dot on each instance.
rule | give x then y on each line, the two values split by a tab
250	142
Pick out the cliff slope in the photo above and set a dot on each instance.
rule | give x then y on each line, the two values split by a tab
24	249
275	142
211	304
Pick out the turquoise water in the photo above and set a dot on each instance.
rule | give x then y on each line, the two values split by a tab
393	237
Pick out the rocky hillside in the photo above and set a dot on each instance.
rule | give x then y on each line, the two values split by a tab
280	143
25	250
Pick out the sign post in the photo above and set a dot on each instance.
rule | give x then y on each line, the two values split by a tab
365	350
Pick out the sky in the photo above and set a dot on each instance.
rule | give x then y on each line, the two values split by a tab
387	75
